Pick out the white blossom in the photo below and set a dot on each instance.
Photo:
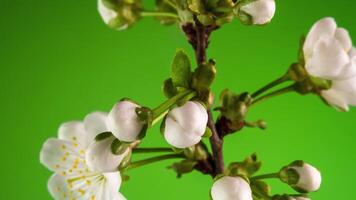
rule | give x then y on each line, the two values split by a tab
65	156
261	11
231	188
123	121
329	55
185	125
309	177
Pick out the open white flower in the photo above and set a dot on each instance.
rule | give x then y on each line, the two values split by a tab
329	55
261	11
185	125
65	156
123	121
228	188
309	178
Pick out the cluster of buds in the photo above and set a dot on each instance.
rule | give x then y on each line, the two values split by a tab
238	181
121	14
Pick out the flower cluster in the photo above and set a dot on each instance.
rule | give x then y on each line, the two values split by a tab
121	14
90	158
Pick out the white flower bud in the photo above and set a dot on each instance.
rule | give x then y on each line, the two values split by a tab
119	15
228	188
301	176
123	121
185	125
329	55
99	156
260	11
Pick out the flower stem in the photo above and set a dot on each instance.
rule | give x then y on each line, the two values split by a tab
153	160
170	3
271	85
188	94
158	14
274	93
152	150
265	176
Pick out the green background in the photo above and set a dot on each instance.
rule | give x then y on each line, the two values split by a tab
59	62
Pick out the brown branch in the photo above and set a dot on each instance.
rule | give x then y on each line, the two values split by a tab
216	145
198	37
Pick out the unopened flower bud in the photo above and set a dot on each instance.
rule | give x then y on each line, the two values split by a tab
228	187
256	12
301	176
123	121
185	125
100	156
119	14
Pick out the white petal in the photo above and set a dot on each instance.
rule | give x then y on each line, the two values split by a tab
328	59
106	13
178	137
185	125
94	124
100	158
73	131
62	157
262	11
323	28
192	116
309	178
231	188
123	121
58	188
341	94
342	35
348	71
334	98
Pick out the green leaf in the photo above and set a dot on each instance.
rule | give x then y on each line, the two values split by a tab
181	70
183	167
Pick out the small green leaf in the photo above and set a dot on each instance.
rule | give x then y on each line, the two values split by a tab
183	167
181	70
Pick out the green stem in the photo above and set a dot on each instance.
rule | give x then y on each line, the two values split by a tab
271	85
170	3
188	94
265	176
152	150
273	94
153	160
158	14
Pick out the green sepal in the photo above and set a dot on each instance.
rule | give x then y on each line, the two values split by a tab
145	115
196	6
206	20
207	133
297	72
118	147
143	132
183	167
301	58
168	88
261	188
103	136
204	76
234	106
125	162
181	70
289	175
163	6
196	152
246	168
